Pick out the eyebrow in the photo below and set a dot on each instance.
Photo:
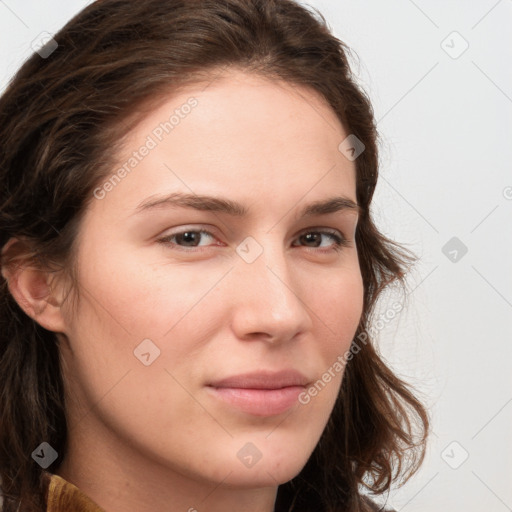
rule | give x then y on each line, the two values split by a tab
235	209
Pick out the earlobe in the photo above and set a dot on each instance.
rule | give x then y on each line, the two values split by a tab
31	288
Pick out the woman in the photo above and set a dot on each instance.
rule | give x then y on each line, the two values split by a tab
190	268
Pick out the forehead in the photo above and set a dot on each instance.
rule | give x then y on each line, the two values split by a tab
241	135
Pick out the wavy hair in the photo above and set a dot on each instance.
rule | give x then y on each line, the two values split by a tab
60	118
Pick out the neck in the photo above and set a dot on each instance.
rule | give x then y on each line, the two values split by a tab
101	471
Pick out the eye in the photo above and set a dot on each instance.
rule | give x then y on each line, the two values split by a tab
191	238
314	237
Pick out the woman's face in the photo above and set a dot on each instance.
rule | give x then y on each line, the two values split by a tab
190	351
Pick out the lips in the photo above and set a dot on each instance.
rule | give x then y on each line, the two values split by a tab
262	393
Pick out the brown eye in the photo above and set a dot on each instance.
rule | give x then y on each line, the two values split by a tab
186	238
313	239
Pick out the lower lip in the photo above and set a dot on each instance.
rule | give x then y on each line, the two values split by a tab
260	402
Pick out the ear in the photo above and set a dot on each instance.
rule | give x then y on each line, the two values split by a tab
33	287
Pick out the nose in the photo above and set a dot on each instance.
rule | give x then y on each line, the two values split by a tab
269	298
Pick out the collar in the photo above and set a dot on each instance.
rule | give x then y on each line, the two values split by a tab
63	496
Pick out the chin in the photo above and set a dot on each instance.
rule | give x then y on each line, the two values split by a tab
275	466
266	475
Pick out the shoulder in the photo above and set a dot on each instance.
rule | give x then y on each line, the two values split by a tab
63	496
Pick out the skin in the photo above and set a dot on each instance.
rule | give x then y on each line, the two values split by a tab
142	438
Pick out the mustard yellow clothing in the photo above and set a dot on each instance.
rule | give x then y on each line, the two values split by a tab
63	496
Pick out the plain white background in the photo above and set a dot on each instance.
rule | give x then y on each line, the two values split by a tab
439	76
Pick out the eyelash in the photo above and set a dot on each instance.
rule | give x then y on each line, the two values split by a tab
339	241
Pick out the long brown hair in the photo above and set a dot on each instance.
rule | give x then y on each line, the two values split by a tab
60	119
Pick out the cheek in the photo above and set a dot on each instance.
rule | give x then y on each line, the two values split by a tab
339	306
343	307
124	296
125	302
